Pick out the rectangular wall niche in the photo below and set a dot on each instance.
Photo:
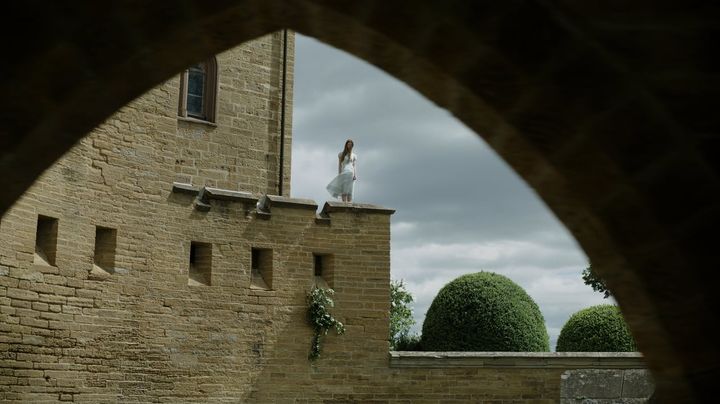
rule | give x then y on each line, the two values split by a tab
200	269
324	270
261	268
105	245
46	240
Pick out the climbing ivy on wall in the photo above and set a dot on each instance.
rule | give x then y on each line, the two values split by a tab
319	300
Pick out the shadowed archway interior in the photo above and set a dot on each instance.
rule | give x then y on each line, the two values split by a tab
605	112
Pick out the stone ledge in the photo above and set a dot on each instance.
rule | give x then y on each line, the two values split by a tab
546	360
205	194
228	195
183	188
332	206
195	120
268	201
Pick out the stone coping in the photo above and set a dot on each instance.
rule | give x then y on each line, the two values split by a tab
229	195
332	206
214	193
546	360
205	194
195	120
268	201
185	188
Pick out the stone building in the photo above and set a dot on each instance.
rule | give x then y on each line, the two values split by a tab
141	262
162	259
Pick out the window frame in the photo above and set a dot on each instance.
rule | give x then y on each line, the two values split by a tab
210	91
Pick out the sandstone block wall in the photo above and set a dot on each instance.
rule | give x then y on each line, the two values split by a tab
144	334
241	150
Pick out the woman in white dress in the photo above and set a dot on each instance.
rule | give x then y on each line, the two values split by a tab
342	185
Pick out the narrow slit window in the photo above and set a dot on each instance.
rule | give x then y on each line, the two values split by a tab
105	245
261	268
200	267
318	264
46	240
323	270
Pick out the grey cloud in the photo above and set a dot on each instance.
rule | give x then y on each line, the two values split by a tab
413	156
448	187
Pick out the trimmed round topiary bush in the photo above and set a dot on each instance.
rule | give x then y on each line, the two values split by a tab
598	328
484	311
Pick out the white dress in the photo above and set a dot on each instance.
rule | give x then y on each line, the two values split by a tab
343	183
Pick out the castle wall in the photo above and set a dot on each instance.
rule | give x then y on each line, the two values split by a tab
144	334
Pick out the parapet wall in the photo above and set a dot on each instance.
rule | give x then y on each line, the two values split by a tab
148	330
597	377
453	377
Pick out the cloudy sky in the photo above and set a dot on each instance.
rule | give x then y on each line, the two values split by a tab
460	208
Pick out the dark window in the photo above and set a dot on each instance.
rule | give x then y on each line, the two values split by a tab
324	270
200	268
198	91
261	268
318	265
255	260
105	245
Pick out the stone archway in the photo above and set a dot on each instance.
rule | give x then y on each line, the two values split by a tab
604	112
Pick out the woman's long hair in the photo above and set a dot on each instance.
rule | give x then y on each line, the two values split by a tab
346	150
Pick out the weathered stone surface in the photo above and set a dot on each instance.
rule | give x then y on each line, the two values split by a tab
591	383
628	386
637	383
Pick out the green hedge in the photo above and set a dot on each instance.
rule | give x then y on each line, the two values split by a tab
484	311
596	329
